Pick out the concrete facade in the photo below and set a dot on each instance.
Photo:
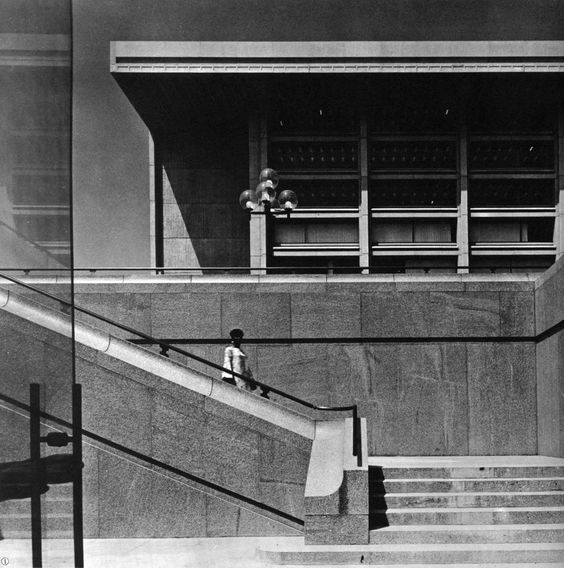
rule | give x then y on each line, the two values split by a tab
112	155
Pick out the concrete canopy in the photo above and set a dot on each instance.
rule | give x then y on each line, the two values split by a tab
336	56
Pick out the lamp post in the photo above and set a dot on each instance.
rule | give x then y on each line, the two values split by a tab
265	195
263	200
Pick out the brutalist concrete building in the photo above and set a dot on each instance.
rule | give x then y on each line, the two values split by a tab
402	309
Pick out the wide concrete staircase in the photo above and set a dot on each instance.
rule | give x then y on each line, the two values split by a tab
477	511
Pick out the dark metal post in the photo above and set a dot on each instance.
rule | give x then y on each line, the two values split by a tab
357	442
36	474
78	532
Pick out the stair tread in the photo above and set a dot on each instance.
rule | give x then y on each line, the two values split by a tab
441	462
470	528
521	546
415	480
27	515
464	509
450	565
478	493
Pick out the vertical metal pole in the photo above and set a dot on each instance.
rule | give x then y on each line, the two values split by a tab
78	530
357	441
37	478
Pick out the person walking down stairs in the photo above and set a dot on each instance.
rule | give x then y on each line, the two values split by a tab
236	360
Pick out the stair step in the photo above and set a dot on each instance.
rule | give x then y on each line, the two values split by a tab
469	499
48	506
469	485
13	524
411	554
457	565
466	516
457	467
473	473
424	534
26	535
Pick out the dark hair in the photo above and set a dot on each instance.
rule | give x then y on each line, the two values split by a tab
236	333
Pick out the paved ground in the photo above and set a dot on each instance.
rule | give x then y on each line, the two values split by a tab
219	552
139	553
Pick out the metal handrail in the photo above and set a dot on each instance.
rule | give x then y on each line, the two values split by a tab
357	446
381	269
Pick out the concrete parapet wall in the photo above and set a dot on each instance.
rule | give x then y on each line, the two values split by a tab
428	398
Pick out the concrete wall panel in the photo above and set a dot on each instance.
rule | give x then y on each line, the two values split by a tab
332	315
549	304
185	315
258	315
550	369
549	297
430	314
502	399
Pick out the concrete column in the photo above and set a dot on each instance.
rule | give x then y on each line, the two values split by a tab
364	206
559	220
257	230
152	188
156	182
463	220
259	244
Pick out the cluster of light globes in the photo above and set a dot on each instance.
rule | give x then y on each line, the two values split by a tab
265	194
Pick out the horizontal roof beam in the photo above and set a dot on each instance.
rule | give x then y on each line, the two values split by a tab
335	57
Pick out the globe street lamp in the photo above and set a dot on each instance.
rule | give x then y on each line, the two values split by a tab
263	199
265	194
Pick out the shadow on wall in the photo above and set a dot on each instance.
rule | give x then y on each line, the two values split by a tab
203	173
377	499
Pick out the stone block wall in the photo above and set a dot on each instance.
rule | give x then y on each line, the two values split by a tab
549	302
443	397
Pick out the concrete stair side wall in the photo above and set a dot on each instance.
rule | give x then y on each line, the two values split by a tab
216	434
336	494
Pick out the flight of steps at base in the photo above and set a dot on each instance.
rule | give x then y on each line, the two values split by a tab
448	512
56	515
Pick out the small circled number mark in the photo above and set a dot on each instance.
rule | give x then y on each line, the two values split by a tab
4	561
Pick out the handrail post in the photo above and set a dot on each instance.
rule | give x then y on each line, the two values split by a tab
36	474
77	514
357	442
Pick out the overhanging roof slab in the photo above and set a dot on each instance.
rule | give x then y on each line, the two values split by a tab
336	57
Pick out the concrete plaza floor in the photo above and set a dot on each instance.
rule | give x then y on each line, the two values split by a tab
138	553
